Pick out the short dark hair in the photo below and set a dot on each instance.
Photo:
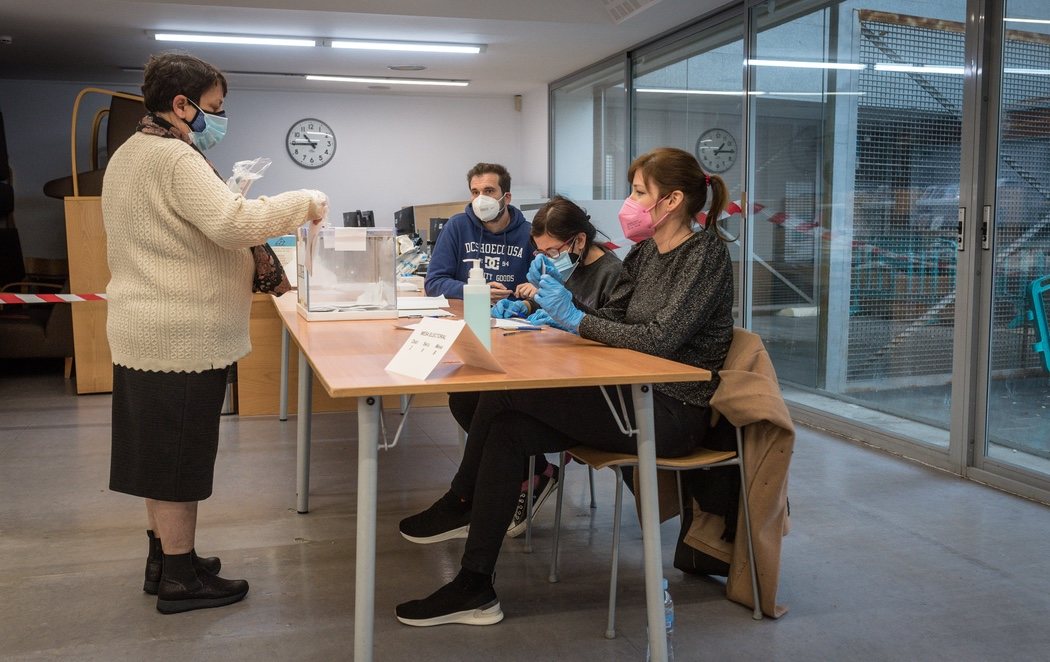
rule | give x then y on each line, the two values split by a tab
563	219
170	74
494	168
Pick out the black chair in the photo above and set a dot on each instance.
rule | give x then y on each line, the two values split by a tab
36	330
12	266
122	117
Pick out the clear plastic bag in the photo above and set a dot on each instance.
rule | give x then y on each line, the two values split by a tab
246	172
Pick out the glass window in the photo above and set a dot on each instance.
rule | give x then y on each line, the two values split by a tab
589	125
857	113
1018	420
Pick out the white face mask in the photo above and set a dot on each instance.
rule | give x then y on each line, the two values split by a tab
487	209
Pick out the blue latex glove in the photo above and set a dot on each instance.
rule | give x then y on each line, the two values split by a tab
505	308
539	263
541	318
557	301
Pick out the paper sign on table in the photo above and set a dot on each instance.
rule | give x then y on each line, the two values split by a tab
432	339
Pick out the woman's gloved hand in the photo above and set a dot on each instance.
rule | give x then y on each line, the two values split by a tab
318	212
505	308
557	301
542	318
536	269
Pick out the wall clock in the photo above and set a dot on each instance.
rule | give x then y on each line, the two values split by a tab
716	150
310	143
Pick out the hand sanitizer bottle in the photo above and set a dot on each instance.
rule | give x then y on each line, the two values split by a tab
476	307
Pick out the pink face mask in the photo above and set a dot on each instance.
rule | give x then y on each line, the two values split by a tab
637	221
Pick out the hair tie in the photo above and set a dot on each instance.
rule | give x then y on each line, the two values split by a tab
707	180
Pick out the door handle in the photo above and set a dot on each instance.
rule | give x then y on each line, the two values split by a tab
986	227
960	236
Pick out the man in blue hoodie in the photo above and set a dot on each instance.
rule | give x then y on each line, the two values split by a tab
490	229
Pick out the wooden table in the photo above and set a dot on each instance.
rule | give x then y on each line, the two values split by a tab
349	359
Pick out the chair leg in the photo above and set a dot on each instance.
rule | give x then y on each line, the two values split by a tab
528	506
67	372
553	576
681	496
757	613
590	479
610	628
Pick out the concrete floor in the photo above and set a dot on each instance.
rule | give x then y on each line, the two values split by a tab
887	560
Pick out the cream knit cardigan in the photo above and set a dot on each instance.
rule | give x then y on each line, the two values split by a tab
178	239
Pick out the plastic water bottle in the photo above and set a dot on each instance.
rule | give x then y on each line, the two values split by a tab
668	626
476	305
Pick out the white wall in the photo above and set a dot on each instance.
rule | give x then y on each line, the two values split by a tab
391	150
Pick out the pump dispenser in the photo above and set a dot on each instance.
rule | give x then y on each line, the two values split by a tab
476	308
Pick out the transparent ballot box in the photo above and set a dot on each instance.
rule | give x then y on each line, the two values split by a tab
346	273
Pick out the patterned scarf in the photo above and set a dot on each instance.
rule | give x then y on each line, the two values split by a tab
269	274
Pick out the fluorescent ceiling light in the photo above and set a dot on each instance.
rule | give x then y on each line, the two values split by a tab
1026	72
920	68
1040	21
411	46
669	90
233	39
388	81
803	64
662	90
817	94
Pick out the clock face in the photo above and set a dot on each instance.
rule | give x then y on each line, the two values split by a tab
716	150
310	143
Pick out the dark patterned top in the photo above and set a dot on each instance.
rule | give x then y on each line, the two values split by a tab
677	305
591	284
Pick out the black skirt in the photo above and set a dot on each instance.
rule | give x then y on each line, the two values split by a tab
165	432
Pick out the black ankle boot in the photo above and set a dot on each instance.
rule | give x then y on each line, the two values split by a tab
184	588
155	564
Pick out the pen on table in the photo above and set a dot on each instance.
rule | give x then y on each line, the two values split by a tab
522	328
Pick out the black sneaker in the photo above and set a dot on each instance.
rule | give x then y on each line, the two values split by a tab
455	602
547	485
448	518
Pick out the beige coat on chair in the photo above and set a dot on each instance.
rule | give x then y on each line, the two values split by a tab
749	396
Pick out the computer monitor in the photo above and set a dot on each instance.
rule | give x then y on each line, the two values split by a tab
436	225
405	221
359	219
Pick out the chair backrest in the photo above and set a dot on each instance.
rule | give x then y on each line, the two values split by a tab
5	167
124	116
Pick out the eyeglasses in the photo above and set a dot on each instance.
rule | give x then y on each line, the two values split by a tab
556	251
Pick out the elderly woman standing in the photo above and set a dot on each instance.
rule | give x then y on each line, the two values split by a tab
179	244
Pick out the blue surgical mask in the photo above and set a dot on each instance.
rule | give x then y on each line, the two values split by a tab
207	129
566	263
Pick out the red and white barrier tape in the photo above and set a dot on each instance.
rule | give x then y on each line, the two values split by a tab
49	298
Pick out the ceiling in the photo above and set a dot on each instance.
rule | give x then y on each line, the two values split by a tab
529	42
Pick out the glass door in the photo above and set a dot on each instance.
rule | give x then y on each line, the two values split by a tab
689	93
856	119
1016	430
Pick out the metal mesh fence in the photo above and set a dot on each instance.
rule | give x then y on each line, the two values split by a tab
902	298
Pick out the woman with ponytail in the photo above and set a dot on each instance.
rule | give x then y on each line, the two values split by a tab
673	299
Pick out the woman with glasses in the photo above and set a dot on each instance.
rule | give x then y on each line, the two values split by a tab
563	232
673	299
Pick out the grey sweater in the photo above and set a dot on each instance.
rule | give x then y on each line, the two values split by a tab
677	305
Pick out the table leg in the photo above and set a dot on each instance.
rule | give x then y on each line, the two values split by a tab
369	409
282	413
653	555
302	436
